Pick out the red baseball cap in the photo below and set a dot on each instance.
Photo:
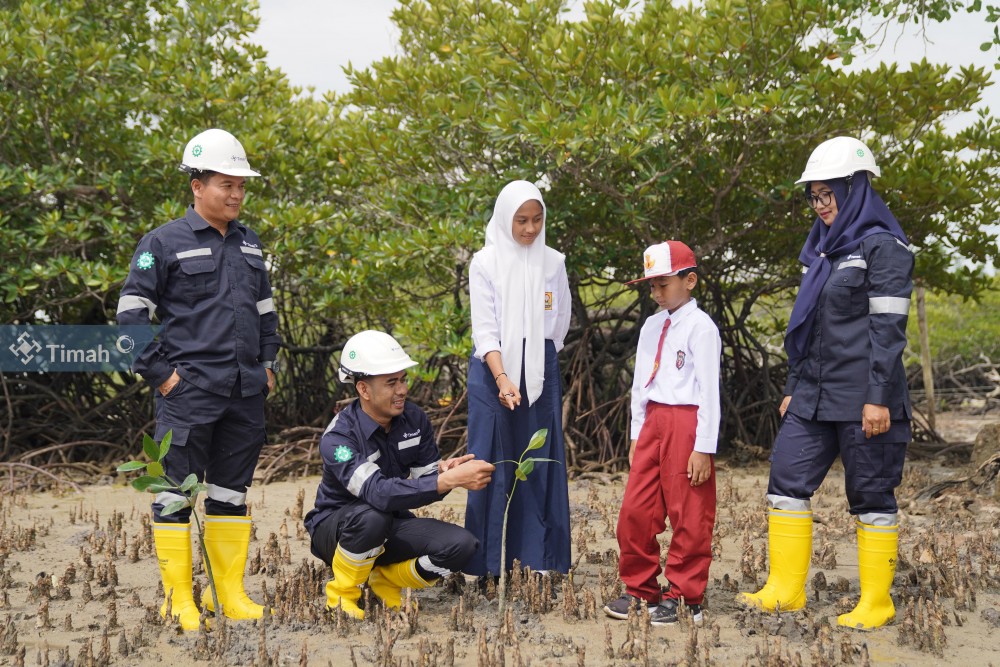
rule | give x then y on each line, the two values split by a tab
666	259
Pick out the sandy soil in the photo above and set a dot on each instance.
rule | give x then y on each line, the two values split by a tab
80	586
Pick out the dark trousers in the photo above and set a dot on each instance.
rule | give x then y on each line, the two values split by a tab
359	528
218	438
805	449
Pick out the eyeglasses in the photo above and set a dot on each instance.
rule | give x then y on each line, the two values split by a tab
821	199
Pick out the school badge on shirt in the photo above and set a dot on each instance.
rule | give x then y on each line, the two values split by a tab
680	359
548	301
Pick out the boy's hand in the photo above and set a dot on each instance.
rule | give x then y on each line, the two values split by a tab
699	468
631	453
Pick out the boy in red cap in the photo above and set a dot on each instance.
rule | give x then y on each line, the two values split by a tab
675	432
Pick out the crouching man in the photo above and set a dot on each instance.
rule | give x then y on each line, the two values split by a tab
380	460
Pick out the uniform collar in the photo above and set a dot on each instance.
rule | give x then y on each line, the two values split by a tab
368	425
683	311
198	223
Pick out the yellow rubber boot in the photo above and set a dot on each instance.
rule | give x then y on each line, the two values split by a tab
349	572
227	539
388	581
173	552
789	543
877	551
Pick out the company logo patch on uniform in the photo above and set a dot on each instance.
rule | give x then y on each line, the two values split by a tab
145	261
680	359
343	454
548	301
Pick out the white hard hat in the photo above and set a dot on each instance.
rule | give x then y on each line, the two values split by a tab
839	158
372	353
216	150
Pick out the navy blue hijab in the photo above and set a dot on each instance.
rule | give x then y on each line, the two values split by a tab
861	213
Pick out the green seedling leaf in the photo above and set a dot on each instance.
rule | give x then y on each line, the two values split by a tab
131	465
189	482
165	444
155	469
520	474
142	483
527	466
175	506
538	440
159	486
199	488
150	447
537	459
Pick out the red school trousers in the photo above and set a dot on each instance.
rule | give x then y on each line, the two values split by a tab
658	488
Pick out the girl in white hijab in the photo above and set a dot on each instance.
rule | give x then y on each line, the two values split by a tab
521	307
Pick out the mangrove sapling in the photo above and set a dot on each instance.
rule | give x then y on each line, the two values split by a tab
155	480
524	468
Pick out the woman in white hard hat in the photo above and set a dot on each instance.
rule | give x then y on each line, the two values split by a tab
846	392
520	301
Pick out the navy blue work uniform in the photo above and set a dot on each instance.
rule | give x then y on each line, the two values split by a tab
854	358
213	299
372	478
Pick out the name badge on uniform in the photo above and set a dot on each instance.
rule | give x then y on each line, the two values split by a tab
548	301
409	442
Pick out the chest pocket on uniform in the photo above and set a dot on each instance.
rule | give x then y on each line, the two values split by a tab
257	269
846	292
199	278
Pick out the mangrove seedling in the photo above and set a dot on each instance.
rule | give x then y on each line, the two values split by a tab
524	468
155	480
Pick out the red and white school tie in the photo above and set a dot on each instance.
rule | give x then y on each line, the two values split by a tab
659	351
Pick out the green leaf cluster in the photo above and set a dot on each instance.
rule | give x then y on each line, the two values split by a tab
153	479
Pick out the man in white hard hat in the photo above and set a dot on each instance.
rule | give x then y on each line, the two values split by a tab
204	277
380	461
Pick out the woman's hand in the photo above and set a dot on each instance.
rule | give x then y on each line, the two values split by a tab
508	393
784	405
875	419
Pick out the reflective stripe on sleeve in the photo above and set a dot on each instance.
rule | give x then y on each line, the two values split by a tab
265	306
224	495
197	252
252	251
360	476
420	471
888	305
132	302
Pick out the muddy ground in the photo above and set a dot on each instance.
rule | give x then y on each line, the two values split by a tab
79	585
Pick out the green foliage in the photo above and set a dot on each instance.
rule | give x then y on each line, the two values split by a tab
958	327
155	481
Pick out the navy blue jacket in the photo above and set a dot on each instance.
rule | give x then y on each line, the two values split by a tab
856	352
213	299
391	471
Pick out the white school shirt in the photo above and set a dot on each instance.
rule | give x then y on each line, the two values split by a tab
689	371
487	309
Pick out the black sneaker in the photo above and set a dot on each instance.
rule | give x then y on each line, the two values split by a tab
619	608
665	613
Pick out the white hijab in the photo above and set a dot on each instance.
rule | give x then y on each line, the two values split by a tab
518	272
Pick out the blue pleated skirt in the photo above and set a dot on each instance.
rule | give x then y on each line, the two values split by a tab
538	521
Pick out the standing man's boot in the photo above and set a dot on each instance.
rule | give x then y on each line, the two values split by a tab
173	552
227	541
